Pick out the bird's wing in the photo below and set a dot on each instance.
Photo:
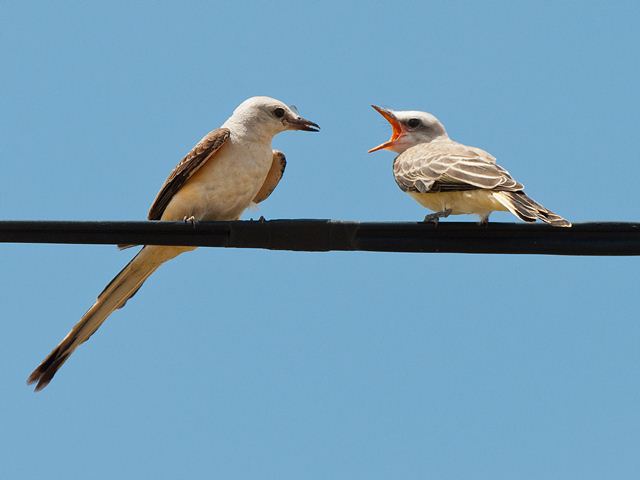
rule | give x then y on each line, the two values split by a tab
274	176
450	166
190	164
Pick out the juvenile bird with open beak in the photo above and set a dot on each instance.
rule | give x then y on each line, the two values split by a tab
451	178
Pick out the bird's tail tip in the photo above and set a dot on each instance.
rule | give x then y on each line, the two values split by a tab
527	209
560	222
44	373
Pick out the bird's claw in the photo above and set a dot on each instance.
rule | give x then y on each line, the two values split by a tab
432	218
435	217
192	220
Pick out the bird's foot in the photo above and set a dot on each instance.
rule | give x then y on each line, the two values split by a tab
262	219
192	220
484	220
435	217
432	218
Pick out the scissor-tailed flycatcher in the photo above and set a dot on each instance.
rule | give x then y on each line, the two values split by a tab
451	178
230	168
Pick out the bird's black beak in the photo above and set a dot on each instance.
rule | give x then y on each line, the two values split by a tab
299	123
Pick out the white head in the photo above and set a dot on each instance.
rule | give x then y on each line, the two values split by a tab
266	117
409	129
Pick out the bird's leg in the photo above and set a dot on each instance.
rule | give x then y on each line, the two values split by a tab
435	217
484	220
262	219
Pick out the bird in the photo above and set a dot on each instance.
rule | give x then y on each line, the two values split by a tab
451	178
229	169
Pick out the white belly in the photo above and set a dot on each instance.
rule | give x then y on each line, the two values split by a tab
479	202
225	186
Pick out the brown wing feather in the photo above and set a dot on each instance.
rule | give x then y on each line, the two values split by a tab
273	177
450	166
203	151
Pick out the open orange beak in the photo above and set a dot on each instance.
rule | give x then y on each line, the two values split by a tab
395	124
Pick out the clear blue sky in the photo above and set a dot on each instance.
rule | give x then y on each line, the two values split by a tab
275	365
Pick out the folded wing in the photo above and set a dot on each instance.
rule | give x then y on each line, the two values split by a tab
273	177
190	164
450	166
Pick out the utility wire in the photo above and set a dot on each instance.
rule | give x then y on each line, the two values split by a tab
598	238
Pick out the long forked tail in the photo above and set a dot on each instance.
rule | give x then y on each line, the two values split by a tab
528	209
114	296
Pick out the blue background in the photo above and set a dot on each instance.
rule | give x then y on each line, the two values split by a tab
257	364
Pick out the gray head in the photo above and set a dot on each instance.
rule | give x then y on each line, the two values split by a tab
266	117
409	129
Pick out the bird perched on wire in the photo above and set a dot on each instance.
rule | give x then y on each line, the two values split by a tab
228	170
451	178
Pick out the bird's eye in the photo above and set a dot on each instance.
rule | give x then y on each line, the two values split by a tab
413	122
279	112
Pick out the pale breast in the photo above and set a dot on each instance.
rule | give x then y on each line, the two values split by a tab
225	186
478	202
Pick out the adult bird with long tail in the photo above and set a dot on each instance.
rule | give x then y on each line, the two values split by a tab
228	170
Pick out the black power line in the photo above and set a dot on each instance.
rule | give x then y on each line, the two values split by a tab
602	238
